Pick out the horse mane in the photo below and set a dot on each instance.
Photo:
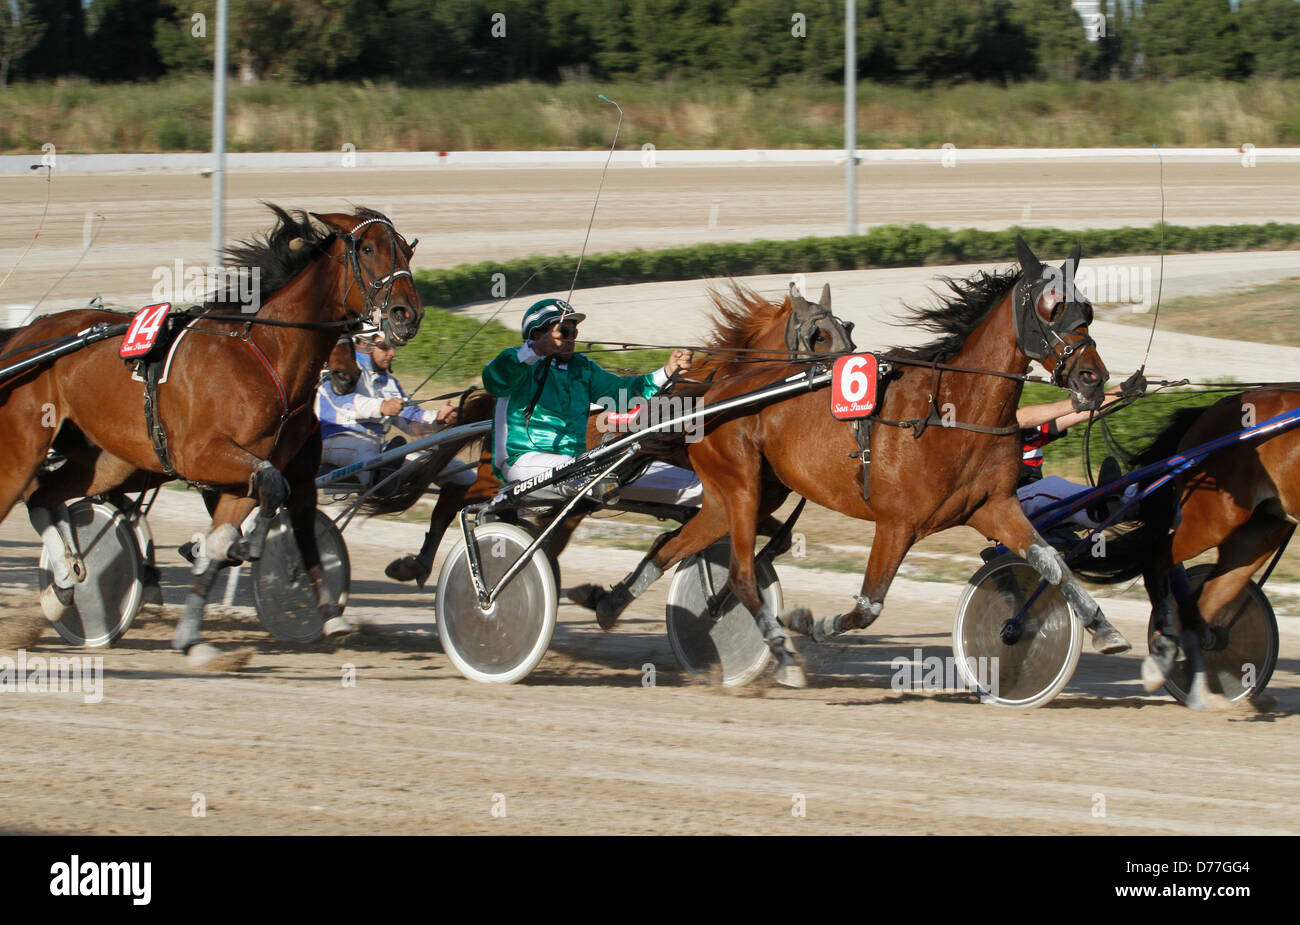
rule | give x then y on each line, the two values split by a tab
957	315
739	316
271	255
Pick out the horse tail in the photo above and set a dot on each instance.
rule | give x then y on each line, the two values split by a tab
475	405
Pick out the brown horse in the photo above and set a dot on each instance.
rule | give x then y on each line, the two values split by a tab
927	474
234	412
1242	501
748	329
342	370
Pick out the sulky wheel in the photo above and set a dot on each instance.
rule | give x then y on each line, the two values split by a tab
728	646
1033	664
282	589
504	643
1243	655
103	605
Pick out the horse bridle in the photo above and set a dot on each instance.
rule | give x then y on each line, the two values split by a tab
375	314
1039	339
799	331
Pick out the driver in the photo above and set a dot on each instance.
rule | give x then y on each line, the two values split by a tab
545	394
353	426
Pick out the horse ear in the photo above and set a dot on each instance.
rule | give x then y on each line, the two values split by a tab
1028	262
1072	262
797	302
825	300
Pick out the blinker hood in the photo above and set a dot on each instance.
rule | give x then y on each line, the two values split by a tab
1034	336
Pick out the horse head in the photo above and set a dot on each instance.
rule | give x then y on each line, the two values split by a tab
342	368
812	328
379	285
1051	323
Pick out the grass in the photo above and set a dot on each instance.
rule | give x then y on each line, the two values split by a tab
175	115
1266	314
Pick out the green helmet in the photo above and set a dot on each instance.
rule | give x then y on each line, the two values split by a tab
540	314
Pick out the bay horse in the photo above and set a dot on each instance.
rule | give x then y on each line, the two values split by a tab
234	413
1242	501
747	329
927	473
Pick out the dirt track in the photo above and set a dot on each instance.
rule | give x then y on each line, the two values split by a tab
464	215
584	747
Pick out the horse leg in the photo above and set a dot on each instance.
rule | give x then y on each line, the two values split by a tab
743	581
268	485
66	565
300	474
1162	645
417	568
697	534
88	472
888	549
1004	520
215	549
1241	554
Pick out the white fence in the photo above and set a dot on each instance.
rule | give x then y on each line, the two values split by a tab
350	159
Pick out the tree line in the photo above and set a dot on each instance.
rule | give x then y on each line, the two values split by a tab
754	42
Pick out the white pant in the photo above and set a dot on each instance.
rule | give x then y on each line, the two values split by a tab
346	449
1050	489
661	483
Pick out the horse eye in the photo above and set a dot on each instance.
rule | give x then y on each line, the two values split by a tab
368	250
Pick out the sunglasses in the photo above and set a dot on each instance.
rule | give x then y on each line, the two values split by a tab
568	329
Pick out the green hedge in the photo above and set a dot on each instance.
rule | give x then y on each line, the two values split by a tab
444	331
885	246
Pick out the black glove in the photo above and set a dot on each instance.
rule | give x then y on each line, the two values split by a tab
1134	386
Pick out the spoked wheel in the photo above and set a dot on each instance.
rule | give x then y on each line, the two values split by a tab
282	589
726	646
504	643
1241	659
1015	666
103	605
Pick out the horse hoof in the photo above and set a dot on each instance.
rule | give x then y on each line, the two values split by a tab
152	596
798	620
611	606
791	675
210	658
1110	641
1198	696
186	551
1162	650
56	602
409	568
338	626
587	596
1153	676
